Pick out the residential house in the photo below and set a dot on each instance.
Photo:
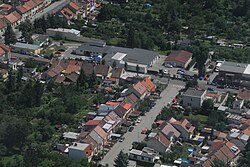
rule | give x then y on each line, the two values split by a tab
47	2
26	48
179	58
244	94
133	100
78	151
102	70
147	155
185	128
102	134
39	5
5	53
193	98
67	14
238	104
159	142
170	131
123	109
5	9
91	124
3	27
23	12
148	84
224	151
115	76
74	8
138	89
13	19
106	108
71	136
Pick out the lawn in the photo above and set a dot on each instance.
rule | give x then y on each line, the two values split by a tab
52	49
200	118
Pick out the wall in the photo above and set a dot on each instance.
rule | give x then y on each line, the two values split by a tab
76	154
194	102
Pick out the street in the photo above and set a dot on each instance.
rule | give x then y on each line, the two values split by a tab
167	95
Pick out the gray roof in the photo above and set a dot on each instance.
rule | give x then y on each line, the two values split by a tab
233	67
79	146
194	92
93	48
95	137
25	46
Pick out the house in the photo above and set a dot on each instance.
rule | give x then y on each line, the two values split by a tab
39	39
26	48
193	98
102	70
138	89
123	110
23	12
3	27
179	58
148	84
78	151
224	151
159	142
185	128
238	104
5	9
5	53
13	19
74	8
244	94
67	14
91	124
101	133
169	131
47	3
3	74
147	155
71	136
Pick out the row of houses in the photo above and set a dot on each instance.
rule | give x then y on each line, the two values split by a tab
15	15
102	124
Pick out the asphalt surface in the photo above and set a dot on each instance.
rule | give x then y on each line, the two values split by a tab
146	122
21	56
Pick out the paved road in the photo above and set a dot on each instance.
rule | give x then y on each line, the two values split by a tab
21	56
53	8
167	95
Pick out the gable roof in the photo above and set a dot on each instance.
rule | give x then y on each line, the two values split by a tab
166	128
72	77
185	124
87	68
59	79
120	111
179	56
74	6
140	88
38	2
100	132
102	70
11	18
31	4
21	9
116	73
150	86
98	139
2	24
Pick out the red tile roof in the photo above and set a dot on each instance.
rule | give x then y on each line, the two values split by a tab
21	9
92	122
112	103
150	86
140	88
5	7
4	47
12	18
38	2
179	56
100	132
30	5
163	139
244	94
127	106
2	52
74	6
2	24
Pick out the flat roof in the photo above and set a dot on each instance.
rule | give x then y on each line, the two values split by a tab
194	92
247	70
71	135
233	67
26	46
119	56
79	146
73	31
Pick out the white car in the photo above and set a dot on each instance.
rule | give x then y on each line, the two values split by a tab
168	65
165	71
138	121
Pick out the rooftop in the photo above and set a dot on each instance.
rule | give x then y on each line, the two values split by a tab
194	92
79	146
24	45
179	56
233	67
71	135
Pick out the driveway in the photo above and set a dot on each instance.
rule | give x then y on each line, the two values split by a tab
167	95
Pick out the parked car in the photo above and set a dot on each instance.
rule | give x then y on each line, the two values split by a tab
144	131
121	139
130	129
180	72
165	71
210	89
221	86
168	65
138	121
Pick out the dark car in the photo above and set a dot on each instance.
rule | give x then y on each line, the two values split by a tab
221	86
130	129
210	89
61	50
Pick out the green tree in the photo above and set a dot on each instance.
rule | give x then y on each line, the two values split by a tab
121	160
81	80
219	163
9	36
10	84
27	29
207	106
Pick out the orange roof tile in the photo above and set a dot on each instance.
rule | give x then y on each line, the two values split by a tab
150	86
179	56
38	2
140	88
74	6
11	18
2	24
93	122
112	103
100	132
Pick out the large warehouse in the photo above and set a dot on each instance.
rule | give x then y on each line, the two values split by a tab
235	71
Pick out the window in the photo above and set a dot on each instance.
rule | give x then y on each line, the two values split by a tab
191	99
